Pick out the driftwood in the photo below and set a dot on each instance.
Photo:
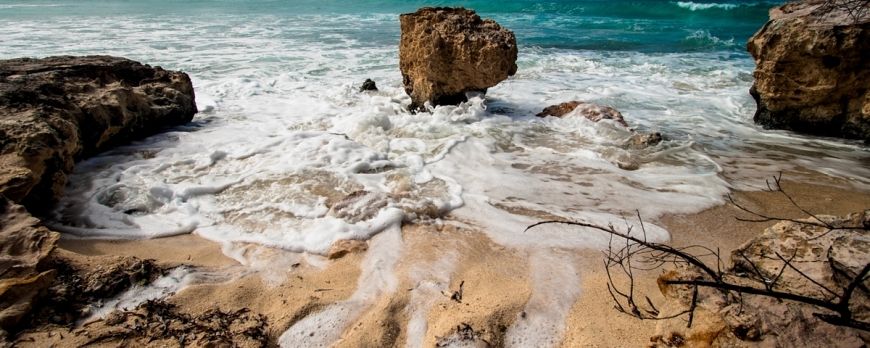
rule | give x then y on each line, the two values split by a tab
627	253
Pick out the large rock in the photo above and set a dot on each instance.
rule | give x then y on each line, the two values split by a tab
813	70
446	52
56	110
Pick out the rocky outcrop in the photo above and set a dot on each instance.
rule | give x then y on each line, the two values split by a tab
831	258
812	70
446	52
56	110
24	247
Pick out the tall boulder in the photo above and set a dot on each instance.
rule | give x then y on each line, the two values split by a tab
446	52
56	110
812	70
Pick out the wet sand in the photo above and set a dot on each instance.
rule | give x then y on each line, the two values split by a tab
422	309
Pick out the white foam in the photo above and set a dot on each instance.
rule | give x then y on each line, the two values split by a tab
695	6
162	287
431	283
555	287
377	279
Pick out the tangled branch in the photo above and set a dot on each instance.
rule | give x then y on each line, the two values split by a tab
627	253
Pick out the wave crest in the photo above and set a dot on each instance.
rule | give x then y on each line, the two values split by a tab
695	6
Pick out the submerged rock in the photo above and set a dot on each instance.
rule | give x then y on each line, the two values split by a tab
56	110
643	140
596	113
368	85
812	70
593	112
446	52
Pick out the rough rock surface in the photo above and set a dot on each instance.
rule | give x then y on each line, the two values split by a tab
759	321
24	247
812	70
56	110
593	112
446	52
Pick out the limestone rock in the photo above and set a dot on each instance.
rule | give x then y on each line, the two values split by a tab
759	321
593	112
24	246
812	70
56	110
446	52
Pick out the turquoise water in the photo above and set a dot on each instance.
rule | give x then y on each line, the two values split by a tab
283	131
649	25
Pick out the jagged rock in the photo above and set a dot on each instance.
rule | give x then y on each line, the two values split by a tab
368	85
56	110
446	52
812	70
593	112
24	246
759	321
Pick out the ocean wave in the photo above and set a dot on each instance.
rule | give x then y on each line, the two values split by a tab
10	6
704	38
695	6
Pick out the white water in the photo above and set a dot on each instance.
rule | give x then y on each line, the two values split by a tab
283	136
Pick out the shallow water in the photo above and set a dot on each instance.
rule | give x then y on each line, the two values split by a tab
283	136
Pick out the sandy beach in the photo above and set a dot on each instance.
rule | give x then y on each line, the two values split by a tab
420	307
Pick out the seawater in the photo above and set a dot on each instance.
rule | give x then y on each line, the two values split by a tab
283	134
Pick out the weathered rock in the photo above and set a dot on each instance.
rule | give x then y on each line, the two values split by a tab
56	110
812	70
368	85
24	247
446	52
593	112
769	322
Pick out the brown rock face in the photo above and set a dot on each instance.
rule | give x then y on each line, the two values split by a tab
56	110
812	70
446	52
24	247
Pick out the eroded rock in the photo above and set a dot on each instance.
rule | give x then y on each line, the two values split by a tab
823	255
446	52
812	70
56	110
24	247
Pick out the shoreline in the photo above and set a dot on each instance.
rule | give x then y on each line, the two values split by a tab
497	285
